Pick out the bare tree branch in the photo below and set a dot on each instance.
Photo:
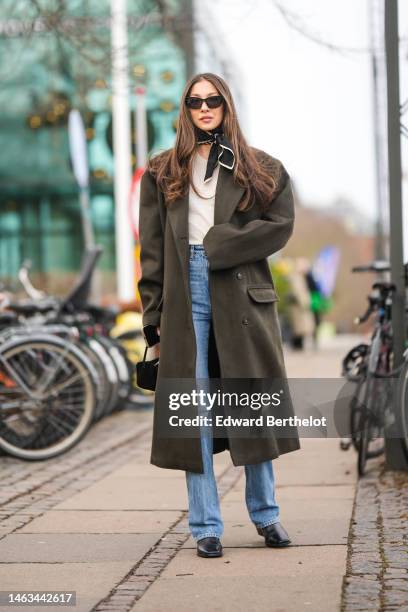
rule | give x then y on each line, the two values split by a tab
295	22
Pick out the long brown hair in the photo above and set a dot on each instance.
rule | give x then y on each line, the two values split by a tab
173	168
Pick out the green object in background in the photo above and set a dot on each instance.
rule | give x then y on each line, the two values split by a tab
320	303
326	330
281	282
327	304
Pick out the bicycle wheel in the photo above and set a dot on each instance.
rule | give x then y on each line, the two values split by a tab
124	368
363	442
47	393
103	388
356	406
120	389
368	429
402	395
111	375
376	446
131	396
373	448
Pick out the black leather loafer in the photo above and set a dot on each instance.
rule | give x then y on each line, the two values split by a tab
209	547
275	535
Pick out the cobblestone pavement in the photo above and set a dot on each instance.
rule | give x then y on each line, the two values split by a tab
377	567
148	569
28	489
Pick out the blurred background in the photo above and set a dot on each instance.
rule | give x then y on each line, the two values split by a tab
309	83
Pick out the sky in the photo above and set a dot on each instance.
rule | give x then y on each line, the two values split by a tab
304	104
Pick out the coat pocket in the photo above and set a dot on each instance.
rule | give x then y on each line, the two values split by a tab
262	293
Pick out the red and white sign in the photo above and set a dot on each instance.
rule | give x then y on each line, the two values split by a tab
134	201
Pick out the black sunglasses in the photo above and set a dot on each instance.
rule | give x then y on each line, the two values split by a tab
212	102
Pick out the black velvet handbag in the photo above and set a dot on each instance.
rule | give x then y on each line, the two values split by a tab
146	372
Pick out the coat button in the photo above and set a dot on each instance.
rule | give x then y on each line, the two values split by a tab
245	321
239	275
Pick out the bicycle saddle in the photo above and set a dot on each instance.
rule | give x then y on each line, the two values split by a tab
6	318
30	307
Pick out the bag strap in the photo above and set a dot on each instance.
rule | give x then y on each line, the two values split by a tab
145	353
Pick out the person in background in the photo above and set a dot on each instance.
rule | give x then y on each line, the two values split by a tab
315	301
299	302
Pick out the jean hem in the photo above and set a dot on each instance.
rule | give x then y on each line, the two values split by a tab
210	534
262	525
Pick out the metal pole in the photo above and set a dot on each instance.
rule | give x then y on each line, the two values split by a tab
79	158
122	150
395	457
87	228
141	127
185	35
373	9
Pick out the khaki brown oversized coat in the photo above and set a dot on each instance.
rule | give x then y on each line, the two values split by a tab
245	327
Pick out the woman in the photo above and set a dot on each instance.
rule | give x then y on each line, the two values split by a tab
211	211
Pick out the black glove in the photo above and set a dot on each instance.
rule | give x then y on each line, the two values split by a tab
151	335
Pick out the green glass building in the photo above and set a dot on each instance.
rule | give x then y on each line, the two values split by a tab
51	63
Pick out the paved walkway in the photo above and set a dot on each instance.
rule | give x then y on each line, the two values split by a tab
104	522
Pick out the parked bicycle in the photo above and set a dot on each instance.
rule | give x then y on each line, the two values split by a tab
370	367
47	392
60	368
110	350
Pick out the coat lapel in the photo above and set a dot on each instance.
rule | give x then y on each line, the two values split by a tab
227	195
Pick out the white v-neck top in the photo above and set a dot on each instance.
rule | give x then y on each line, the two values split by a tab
201	209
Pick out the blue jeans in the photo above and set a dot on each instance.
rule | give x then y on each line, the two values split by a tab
204	505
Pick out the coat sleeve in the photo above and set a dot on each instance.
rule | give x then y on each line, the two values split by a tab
227	245
151	239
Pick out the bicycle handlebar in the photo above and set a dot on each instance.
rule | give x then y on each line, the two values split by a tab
32	292
376	301
363	318
374	266
379	265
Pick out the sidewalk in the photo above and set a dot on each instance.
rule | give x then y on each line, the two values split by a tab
105	523
316	497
